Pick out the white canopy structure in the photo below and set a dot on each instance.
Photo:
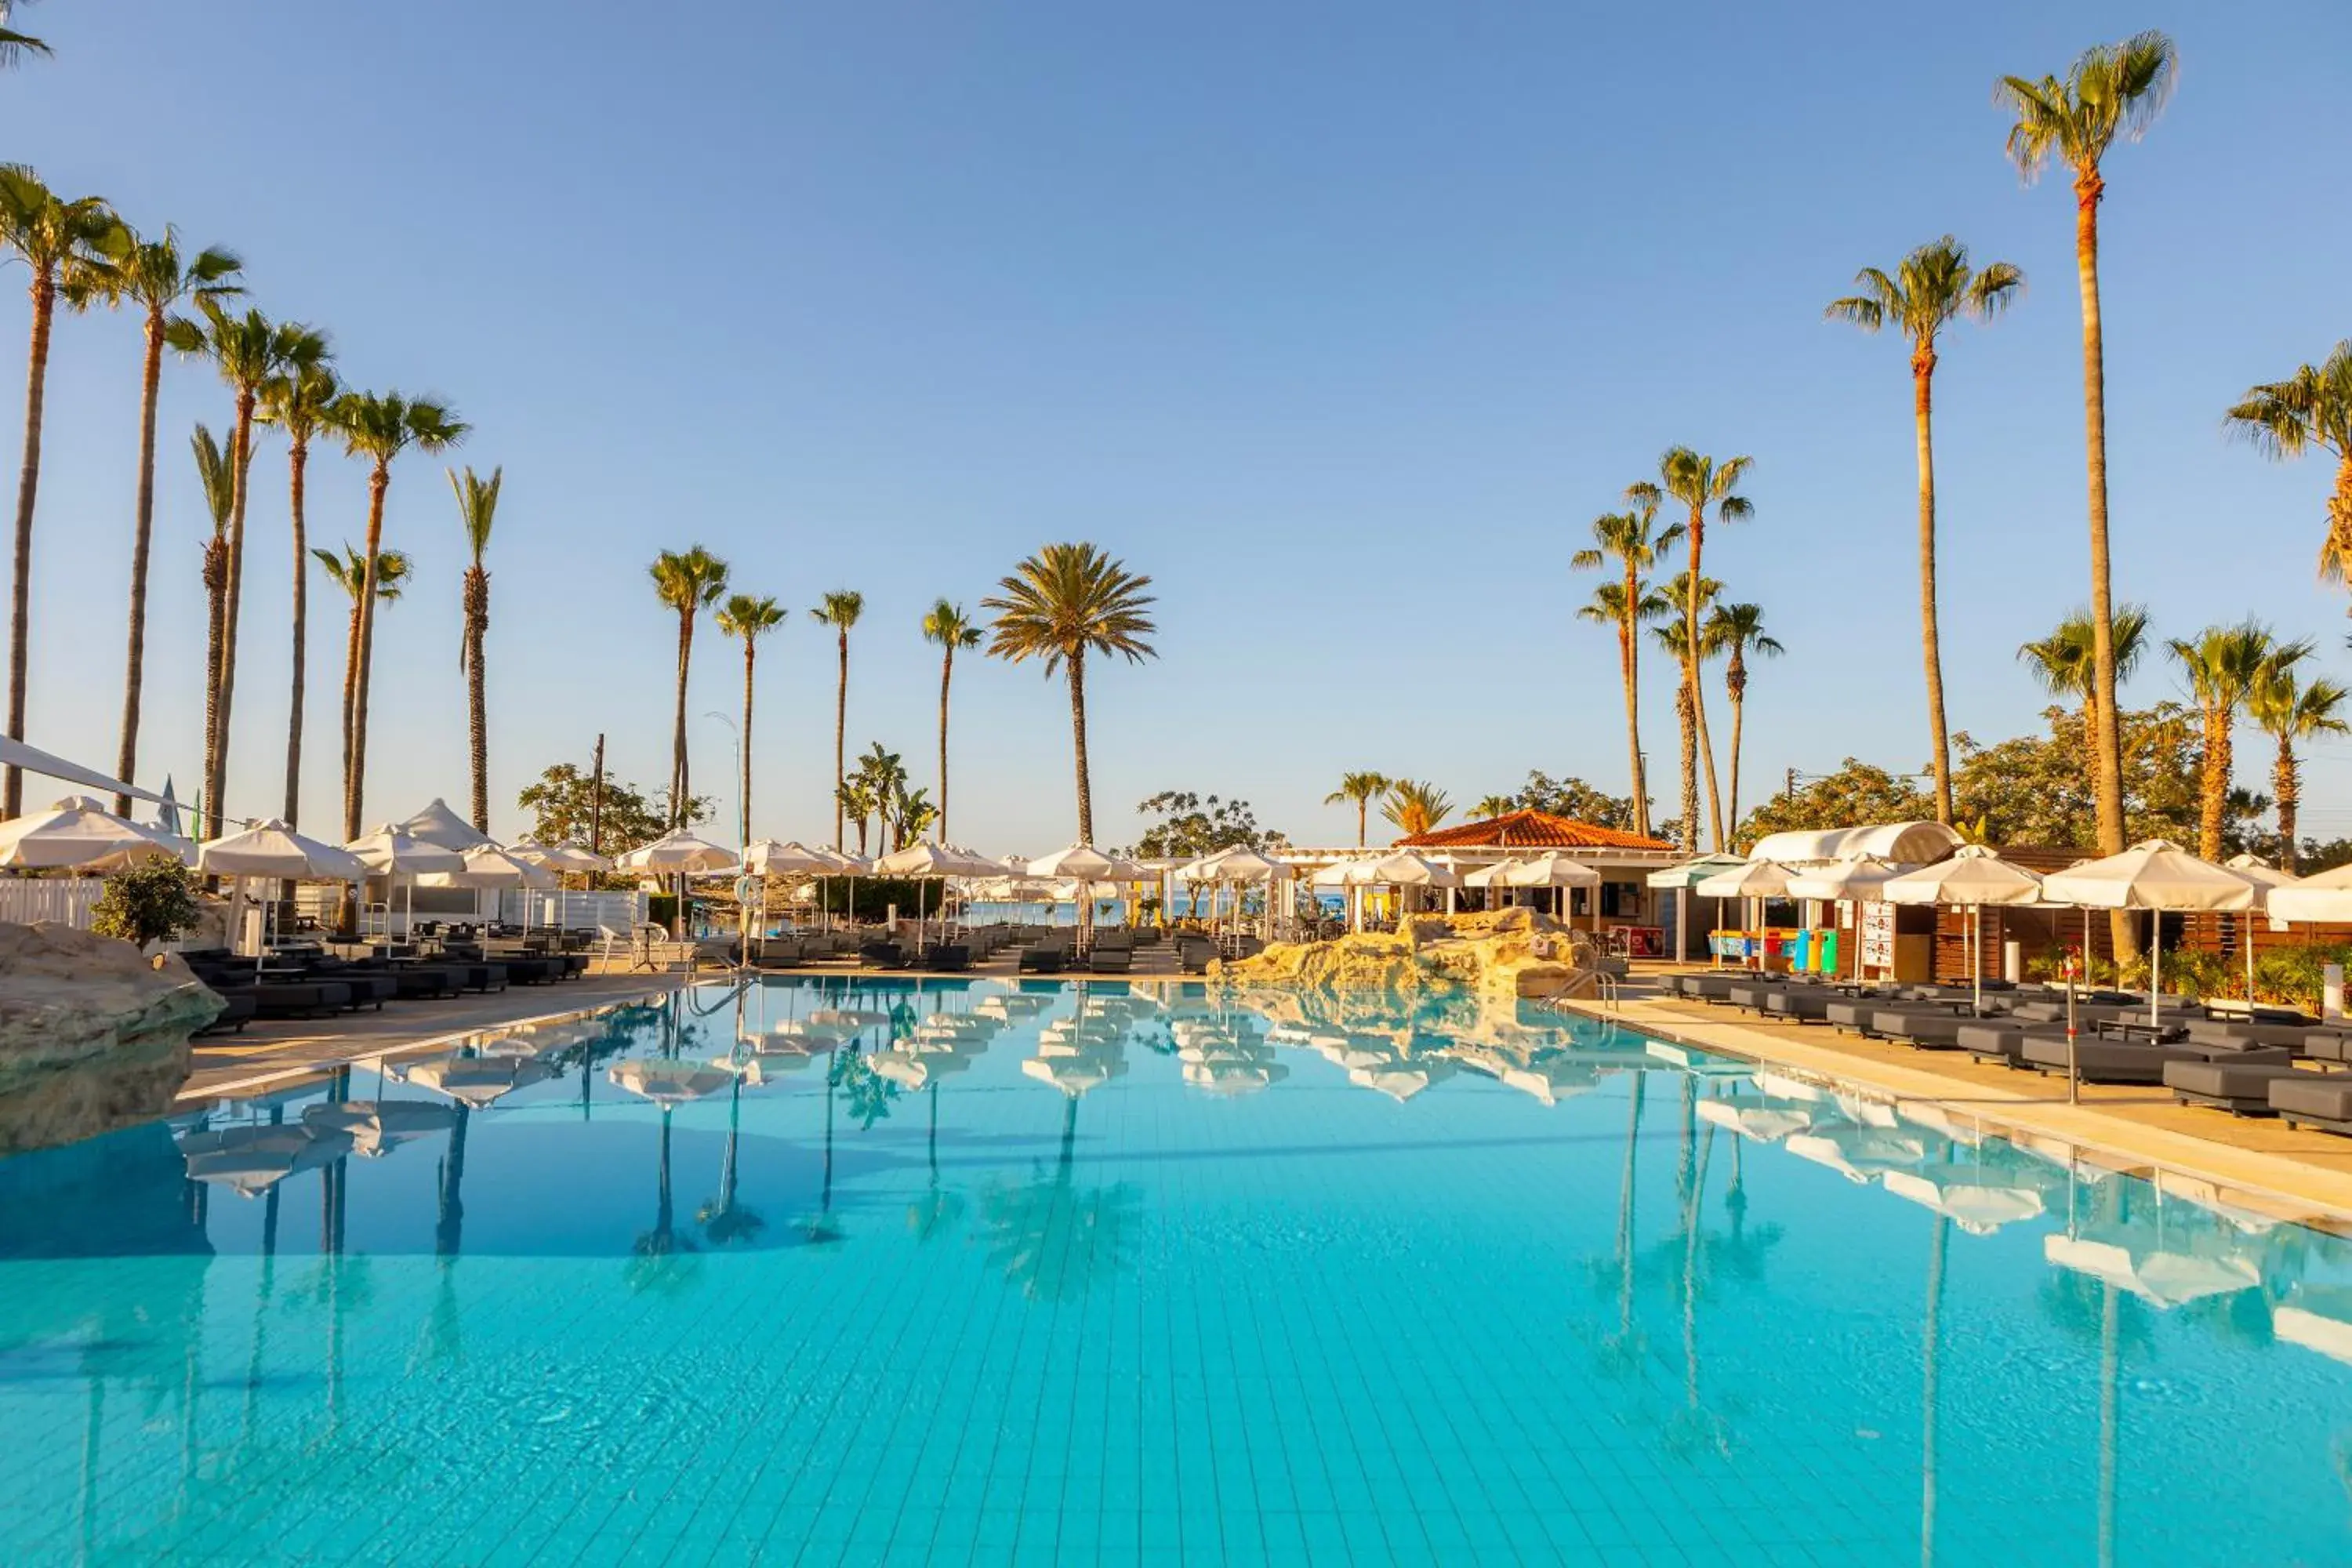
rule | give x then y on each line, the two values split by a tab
79	834
436	824
1906	842
679	853
561	858
766	857
32	760
276	851
390	851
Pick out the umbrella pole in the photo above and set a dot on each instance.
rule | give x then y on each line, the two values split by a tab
2155	964
1976	966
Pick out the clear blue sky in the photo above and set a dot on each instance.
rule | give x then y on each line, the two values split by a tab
1341	320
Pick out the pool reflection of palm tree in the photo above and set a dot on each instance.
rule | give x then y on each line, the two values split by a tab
1623	1350
663	1259
938	1209
723	1219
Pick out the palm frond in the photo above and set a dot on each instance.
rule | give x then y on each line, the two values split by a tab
1068	600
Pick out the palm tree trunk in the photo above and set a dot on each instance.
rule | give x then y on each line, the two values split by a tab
477	716
216	575
1629	635
298	464
1363	808
1737	682
134	664
946	673
2107	754
355	769
2215	805
1691	649
2286	785
1683	712
677	782
240	482
351	690
28	486
1079	740
1940	759
840	748
751	656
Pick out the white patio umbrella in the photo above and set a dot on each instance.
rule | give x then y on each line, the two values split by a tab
2270	879
2158	876
377	1126
1553	870
563	859
436	824
252	1159
1744	880
1680	879
680	853
2322	896
1976	1205
276	853
1087	864
1856	880
396	855
2142	1265
1755	1117
79	834
1973	878
478	1080
669	1083
927	862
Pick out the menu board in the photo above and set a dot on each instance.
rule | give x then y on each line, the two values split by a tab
1878	935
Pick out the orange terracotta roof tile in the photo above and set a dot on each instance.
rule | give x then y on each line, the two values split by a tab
1529	830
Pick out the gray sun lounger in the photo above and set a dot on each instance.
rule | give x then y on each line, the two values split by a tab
2314	1099
2241	1088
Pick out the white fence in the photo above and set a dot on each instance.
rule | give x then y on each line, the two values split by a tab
68	900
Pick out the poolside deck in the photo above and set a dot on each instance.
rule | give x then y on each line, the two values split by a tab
2257	1163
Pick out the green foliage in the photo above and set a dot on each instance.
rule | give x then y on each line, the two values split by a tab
1192	826
154	900
1573	798
872	896
563	807
2287	977
1858	793
876	790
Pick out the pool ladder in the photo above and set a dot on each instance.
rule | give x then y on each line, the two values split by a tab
1605	985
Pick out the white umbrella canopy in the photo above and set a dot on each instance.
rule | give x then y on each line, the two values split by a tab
78	832
927	860
1551	870
487	866
558	857
1236	865
1978	1207
1406	870
391	852
1083	861
2152	875
1973	878
1497	875
1748	880
252	1158
2322	896
1860	877
1355	873
669	1083
274	850
767	857
378	1126
2144	1267
436	824
1691	873
478	1080
679	853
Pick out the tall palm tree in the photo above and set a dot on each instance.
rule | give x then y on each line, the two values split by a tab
1929	289
154	275
948	627
1698	484
351	572
1735	631
840	610
57	238
1610	607
1060	604
246	351
2111	90
749	618
687	580
1414	806
219	488
15	46
297	400
1674	637
1632	539
1360	789
1490	807
2062	664
379	426
2290	710
2223	665
2311	408
477	513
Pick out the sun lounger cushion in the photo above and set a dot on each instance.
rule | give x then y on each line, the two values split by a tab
2238	1086
1807	1004
2314	1099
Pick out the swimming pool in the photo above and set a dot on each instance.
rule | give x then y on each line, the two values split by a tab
961	1271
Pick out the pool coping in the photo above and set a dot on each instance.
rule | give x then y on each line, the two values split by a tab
2204	1170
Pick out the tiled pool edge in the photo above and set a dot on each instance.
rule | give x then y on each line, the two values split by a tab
2273	1184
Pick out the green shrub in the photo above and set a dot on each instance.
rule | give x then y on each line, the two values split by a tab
154	900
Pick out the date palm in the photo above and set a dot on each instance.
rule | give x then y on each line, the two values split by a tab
16	45
840	610
478	512
1415	807
1634	542
379	426
2311	410
298	400
1359	789
1699	484
245	350
2291	711
219	490
1060	604
351	572
1674	637
1490	807
2110	90
950	628
1735	631
749	618
2062	663
1929	289
2223	665
56	240
155	277
687	580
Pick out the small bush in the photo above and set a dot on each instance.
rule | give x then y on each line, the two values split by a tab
154	900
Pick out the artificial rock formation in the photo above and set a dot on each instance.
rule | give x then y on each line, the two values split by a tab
93	1033
1510	952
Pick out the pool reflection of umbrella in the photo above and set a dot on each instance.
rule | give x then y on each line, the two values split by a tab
1547	1076
1978	1207
666	1083
2318	1317
375	1126
1857	1153
250	1159
2157	1276
479	1080
1754	1118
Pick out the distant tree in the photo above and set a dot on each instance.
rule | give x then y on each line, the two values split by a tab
2223	665
688	582
1735	631
562	806
1576	800
1858	793
1192	826
2291	710
1632	541
840	610
2311	410
950	628
1359	789
2064	663
1490	807
2032	789
1415	807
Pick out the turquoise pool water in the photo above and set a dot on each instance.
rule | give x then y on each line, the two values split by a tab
965	1273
